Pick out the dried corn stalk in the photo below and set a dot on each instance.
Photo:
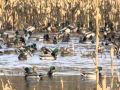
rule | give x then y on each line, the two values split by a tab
7	86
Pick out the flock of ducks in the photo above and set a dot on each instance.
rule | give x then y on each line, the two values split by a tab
18	41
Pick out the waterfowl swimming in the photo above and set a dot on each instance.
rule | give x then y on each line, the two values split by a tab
89	75
50	72
48	54
22	56
31	75
92	75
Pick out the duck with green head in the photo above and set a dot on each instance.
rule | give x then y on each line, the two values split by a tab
54	53
51	71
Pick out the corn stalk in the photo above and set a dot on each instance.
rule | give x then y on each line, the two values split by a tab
62	84
97	44
7	86
112	66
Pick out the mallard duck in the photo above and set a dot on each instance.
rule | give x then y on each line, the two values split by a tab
49	54
32	76
92	75
89	75
47	58
51	71
22	56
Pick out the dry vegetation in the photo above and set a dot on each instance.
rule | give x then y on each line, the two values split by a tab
19	13
7	86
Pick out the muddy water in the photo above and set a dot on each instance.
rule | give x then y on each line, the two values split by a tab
69	83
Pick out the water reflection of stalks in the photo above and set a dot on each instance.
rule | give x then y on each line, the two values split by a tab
7	86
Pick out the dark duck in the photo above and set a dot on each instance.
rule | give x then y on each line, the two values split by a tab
50	72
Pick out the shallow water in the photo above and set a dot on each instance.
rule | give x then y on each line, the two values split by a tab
69	83
70	65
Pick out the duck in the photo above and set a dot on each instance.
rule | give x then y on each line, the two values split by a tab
22	56
89	75
51	71
48	54
92	75
32	76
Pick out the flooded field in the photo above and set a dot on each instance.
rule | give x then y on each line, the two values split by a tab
75	41
68	68
9	63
